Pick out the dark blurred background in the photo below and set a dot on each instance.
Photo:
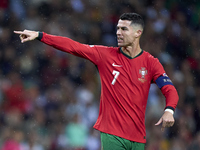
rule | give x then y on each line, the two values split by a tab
49	99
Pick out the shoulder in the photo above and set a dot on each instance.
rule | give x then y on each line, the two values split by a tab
152	62
149	57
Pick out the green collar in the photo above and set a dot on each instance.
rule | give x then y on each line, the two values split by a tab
130	56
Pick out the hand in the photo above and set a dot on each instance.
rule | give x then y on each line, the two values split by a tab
167	120
27	35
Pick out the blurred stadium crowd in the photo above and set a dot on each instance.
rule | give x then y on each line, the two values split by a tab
49	99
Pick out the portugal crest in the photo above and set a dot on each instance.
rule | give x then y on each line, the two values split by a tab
143	73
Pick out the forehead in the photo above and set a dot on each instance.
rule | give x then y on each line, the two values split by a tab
123	23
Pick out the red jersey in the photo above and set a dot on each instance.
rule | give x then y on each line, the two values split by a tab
125	84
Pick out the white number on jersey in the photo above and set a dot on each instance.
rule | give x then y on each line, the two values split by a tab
116	74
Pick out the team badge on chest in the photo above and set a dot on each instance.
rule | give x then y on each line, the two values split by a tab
143	72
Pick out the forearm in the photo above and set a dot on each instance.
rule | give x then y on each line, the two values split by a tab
171	96
70	46
61	43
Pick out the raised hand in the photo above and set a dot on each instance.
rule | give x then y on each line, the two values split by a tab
27	35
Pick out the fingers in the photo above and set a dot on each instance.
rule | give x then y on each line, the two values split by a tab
26	39
22	35
163	126
26	35
166	124
19	32
23	38
159	122
22	32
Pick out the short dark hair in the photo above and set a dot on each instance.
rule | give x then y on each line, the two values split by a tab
134	18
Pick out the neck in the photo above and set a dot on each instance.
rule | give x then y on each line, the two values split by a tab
132	51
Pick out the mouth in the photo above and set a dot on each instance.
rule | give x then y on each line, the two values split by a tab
119	40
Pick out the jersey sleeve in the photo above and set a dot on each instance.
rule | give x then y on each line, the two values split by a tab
171	96
165	84
70	46
157	69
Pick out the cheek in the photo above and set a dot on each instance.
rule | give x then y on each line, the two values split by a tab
130	37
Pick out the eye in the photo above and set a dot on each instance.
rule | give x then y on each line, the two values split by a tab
124	28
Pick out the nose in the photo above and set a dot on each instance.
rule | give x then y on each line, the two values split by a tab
118	32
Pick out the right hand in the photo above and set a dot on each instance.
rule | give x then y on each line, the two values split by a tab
167	120
27	35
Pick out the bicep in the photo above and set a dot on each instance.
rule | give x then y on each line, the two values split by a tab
157	70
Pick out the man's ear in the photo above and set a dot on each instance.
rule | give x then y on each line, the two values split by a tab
138	33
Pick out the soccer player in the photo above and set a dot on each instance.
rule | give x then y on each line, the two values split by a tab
126	74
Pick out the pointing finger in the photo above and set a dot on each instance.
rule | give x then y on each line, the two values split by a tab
19	32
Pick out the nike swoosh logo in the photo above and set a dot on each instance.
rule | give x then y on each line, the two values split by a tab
116	65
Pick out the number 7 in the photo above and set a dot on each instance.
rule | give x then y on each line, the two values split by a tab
116	74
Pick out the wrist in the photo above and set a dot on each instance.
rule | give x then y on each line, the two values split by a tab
39	35
169	110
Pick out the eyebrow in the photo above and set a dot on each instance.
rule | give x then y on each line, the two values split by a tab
123	27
